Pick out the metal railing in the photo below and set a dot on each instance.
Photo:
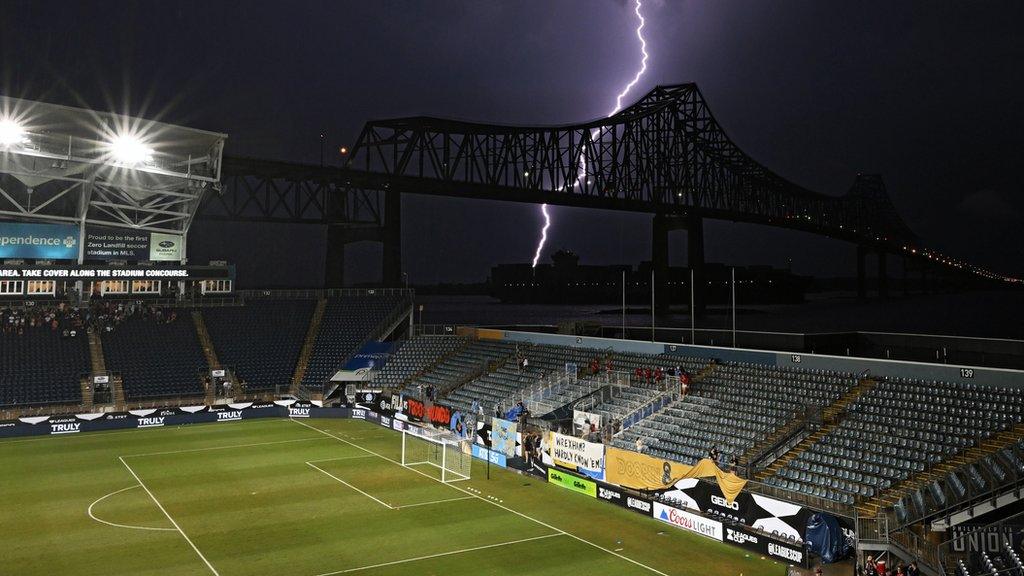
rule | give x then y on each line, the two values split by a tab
318	293
665	398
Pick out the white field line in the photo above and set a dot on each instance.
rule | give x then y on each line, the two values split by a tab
115	524
434	502
438	555
219	447
340	457
482	499
164	510
374	498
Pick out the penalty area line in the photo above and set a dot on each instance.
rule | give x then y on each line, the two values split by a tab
374	498
482	499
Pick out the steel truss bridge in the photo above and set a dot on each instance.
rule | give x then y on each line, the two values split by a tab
666	155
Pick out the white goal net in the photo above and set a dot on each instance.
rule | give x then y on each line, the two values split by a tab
452	456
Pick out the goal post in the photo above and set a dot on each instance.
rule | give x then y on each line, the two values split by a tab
452	456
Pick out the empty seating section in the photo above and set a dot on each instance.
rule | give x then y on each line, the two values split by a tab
968	483
497	387
260	341
733	408
348	322
461	366
899	428
39	365
156	358
414	356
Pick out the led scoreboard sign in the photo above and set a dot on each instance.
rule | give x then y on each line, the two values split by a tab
74	273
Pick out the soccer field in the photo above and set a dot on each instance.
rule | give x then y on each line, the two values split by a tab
311	498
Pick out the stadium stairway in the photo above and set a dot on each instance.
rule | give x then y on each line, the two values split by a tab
831	416
98	365
208	350
308	344
987	447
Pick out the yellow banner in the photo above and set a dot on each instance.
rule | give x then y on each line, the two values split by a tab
642	472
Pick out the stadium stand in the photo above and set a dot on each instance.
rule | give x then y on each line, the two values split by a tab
157	352
415	355
733	408
40	362
464	365
260	341
348	321
900	428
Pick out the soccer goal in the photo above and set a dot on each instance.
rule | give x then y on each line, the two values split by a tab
452	456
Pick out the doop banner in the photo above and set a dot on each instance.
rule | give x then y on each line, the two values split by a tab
576	454
39	241
642	472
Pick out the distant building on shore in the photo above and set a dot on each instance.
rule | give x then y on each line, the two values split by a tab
566	281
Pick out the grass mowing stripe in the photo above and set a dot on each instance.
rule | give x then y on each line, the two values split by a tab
162	509
220	447
440	554
481	498
375	499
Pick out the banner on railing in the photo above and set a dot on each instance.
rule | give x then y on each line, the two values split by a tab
576	454
503	436
643	472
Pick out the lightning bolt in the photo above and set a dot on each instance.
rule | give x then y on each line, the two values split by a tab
618	106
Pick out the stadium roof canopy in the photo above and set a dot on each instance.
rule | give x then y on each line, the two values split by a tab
64	164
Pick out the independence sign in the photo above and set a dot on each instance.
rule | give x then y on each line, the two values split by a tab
39	241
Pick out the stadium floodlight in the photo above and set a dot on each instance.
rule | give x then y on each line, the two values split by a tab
129	150
11	133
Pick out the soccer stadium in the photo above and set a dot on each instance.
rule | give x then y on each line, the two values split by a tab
183	393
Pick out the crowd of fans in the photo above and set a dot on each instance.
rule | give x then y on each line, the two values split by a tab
879	568
72	322
66	320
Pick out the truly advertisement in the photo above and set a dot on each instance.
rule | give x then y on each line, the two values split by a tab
687	521
574	483
39	241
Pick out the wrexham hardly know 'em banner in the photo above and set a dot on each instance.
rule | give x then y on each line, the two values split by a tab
642	472
577	454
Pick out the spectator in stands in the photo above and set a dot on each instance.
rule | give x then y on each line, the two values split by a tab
640	445
870	568
912	569
713	454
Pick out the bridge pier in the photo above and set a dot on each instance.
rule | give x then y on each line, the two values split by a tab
883	275
391	266
662	225
334	260
862	288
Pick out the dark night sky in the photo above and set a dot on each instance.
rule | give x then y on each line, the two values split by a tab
926	93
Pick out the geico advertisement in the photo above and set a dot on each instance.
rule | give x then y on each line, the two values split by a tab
686	521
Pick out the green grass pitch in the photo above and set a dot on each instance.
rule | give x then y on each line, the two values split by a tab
310	498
